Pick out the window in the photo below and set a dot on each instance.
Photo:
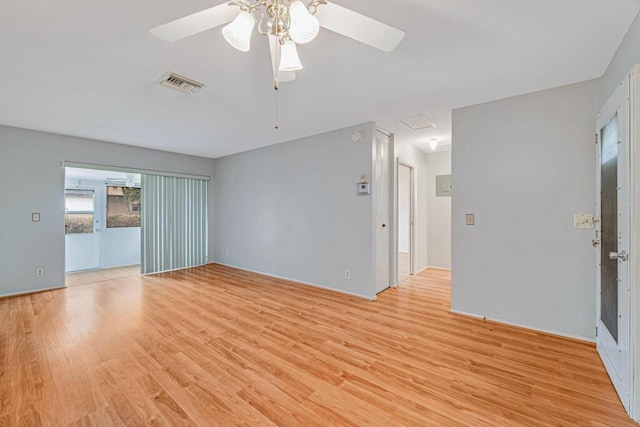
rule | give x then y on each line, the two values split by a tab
78	211
123	207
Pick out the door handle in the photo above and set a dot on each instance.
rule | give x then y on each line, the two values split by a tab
620	256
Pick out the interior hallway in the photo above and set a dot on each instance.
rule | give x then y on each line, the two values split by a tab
215	343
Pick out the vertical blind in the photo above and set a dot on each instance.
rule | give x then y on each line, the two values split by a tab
173	223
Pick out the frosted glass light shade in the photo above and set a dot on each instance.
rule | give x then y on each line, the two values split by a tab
238	32
304	26
433	143
290	60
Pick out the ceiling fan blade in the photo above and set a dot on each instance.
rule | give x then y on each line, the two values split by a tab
359	27
195	23
283	76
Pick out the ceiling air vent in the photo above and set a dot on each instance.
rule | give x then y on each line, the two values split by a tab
418	122
180	83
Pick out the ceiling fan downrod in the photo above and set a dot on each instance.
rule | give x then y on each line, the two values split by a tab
275	74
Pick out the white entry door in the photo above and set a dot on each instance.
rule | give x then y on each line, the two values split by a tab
613	209
83	215
382	197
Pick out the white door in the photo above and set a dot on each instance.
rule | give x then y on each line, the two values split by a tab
83	215
382	197
613	209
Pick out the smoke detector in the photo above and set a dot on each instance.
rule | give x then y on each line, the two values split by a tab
180	83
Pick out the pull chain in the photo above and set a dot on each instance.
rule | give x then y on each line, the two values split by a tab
277	124
276	82
277	65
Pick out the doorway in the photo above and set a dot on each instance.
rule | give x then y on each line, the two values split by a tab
612	241
102	225
406	203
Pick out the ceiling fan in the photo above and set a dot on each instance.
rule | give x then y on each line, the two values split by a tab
286	23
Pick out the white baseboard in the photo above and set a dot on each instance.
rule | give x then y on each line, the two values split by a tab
315	285
431	267
420	271
33	291
531	328
439	268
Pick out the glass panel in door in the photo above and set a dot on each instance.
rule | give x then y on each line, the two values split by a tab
609	226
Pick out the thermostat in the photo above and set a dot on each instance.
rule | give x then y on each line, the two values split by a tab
363	189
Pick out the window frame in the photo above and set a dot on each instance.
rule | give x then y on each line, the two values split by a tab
67	212
106	206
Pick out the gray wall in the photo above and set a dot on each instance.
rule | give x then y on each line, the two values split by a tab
33	181
524	166
413	156
626	57
439	233
291	210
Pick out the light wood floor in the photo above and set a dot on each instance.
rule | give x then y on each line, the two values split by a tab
93	276
216	346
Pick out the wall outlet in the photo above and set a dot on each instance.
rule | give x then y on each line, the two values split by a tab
347	274
39	272
363	189
226	252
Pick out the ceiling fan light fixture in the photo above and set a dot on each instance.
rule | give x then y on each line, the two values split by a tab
285	23
304	26
238	32
290	60
433	143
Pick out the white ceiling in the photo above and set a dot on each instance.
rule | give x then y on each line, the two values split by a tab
89	68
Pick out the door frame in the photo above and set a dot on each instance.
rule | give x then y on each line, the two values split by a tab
634	240
99	186
412	217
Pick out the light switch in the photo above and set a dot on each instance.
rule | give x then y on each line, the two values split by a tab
471	219
35	217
